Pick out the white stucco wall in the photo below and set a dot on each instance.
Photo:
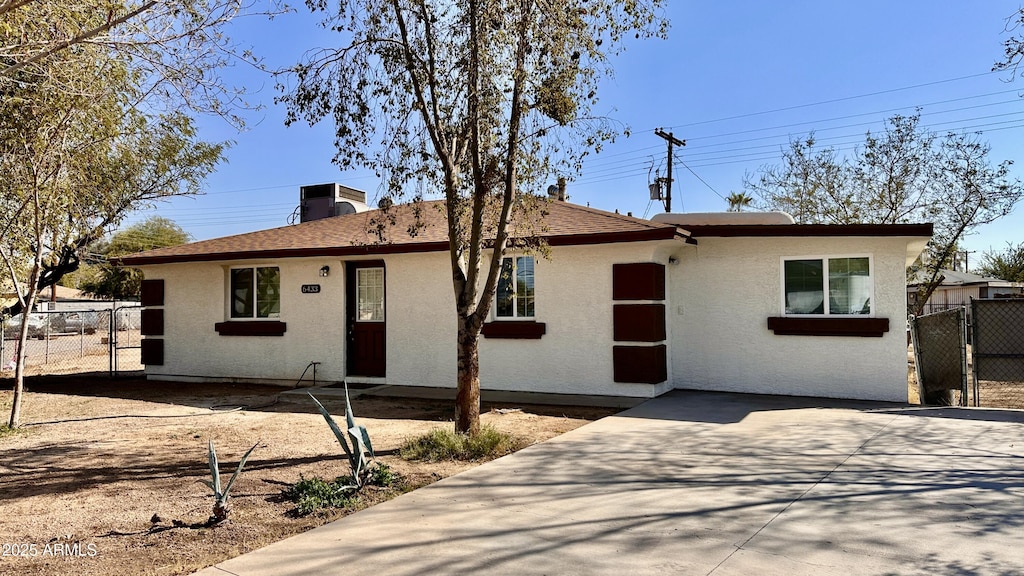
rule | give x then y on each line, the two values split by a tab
719	297
573	299
196	298
725	289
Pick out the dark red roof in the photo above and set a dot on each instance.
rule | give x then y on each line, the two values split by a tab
564	224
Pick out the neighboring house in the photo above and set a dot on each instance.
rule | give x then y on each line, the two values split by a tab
58	298
621	306
63	299
958	288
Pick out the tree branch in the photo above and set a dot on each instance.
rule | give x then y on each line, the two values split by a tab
78	39
510	180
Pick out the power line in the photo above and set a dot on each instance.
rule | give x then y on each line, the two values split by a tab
640	152
835	100
852	139
704	182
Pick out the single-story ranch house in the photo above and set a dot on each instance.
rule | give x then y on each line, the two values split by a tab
621	306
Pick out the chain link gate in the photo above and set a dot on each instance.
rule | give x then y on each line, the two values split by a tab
940	357
125	339
998	352
100	339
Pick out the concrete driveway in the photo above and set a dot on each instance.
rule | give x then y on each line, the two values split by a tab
706	483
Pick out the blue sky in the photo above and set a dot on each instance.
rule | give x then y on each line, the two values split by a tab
735	79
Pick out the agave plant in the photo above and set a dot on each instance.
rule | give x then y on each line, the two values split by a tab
220	503
360	440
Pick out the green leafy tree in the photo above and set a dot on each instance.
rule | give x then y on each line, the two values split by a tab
1006	265
78	151
123	283
905	174
478	102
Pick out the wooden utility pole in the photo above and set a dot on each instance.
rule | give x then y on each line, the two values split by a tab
967	255
672	140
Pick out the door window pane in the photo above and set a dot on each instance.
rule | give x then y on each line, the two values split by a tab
370	294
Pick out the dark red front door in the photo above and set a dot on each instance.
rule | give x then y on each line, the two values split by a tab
366	352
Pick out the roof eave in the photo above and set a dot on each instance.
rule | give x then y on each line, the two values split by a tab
367	249
809	230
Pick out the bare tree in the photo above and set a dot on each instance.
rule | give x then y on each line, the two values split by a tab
1013	47
478	101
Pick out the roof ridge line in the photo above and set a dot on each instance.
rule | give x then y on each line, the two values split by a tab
615	215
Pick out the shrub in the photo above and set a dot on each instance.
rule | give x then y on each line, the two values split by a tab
382	475
315	494
446	444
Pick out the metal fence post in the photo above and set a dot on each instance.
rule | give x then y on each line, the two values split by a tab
962	325
110	338
974	352
917	358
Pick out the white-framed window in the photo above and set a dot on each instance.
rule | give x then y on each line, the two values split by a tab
514	297
827	286
256	292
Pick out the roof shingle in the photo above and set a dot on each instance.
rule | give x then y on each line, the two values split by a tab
564	224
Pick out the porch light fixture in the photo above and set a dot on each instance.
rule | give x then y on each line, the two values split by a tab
324	271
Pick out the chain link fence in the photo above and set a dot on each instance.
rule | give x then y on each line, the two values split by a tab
998	352
75	341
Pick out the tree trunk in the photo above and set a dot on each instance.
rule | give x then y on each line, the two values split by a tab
19	371
19	367
467	399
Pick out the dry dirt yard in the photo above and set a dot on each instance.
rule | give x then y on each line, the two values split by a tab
105	478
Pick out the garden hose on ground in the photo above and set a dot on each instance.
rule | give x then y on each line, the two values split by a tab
277	397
